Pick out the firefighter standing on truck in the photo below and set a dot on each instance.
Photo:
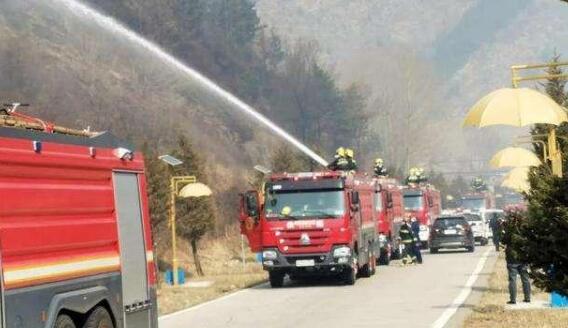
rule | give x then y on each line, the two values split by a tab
340	162
351	162
409	241
379	168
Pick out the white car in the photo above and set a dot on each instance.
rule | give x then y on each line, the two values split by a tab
479	228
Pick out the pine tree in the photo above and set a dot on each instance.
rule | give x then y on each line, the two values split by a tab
541	238
195	216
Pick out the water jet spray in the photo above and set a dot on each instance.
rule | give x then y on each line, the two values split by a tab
114	26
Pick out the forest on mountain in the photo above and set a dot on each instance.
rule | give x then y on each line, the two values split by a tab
77	73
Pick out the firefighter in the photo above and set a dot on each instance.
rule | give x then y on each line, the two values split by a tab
351	162
409	241
415	227
286	211
379	168
412	176
340	161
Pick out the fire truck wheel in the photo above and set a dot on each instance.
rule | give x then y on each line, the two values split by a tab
396	254
276	279
350	276
64	321
99	318
384	258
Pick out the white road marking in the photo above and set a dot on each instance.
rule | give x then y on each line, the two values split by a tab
198	306
463	295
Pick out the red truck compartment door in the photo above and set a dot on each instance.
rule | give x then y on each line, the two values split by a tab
135	293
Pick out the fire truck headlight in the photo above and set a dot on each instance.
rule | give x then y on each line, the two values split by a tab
382	239
269	255
342	251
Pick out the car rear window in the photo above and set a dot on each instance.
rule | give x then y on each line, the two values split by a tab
473	217
450	222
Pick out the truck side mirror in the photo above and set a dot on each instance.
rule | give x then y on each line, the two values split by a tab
252	206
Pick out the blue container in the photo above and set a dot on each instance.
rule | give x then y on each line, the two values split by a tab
558	301
181	276
169	277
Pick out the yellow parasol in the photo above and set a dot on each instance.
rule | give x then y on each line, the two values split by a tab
517	179
516	107
514	157
195	190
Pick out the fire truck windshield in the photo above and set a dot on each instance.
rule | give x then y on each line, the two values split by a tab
305	203
473	203
412	202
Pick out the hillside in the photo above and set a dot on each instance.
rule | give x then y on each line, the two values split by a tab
465	59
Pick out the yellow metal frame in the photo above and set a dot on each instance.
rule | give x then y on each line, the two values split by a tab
175	183
555	156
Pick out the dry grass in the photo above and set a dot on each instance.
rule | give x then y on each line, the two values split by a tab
491	313
222	263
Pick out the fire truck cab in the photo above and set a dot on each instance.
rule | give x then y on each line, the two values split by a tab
478	202
389	211
423	202
75	241
314	223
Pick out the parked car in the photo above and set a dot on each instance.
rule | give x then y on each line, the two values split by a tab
479	228
451	232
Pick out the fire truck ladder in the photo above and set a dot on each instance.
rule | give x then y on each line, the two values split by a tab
10	118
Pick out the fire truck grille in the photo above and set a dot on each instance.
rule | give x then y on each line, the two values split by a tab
305	241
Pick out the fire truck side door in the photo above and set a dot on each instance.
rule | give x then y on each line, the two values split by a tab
249	218
135	295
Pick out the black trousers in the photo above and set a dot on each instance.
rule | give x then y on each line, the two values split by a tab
416	251
514	270
496	240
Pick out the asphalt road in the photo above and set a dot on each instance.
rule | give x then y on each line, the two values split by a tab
433	294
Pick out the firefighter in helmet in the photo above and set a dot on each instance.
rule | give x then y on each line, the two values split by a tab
351	162
408	239
286	211
412	176
340	161
379	168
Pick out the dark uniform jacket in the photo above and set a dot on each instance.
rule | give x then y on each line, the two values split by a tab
406	235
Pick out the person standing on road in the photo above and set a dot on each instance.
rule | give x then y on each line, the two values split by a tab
415	226
495	225
514	264
409	241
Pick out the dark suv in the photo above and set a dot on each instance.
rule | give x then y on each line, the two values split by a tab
451	232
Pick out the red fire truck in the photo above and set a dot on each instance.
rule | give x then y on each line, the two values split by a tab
423	202
389	211
75	242
478	201
313	224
